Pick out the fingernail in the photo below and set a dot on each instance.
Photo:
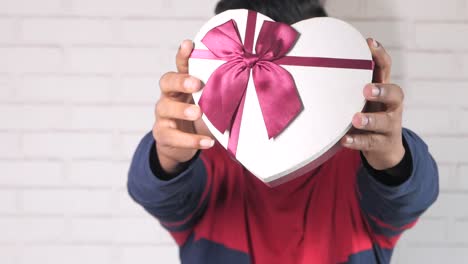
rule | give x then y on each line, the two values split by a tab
375	91
349	140
364	120
191	112
375	43
207	143
190	84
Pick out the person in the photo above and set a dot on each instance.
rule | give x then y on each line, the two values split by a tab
351	209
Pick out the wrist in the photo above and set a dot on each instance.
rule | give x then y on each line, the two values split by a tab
386	160
166	163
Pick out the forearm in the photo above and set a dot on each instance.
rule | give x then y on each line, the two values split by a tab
402	203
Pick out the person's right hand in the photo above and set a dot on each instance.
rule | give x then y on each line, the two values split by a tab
179	130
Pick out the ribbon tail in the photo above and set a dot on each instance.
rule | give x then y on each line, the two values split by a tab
223	93
278	96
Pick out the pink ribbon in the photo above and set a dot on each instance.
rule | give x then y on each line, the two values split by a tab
224	94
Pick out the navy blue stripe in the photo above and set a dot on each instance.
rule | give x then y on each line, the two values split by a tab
373	256
207	252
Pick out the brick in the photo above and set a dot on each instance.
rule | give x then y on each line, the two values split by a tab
430	121
66	30
124	230
68	145
449	204
395	33
149	254
11	145
465	66
459	231
428	230
433	65
93	230
139	89
31	229
144	31
10	254
111	60
25	173
448	149
435	254
8	201
127	207
98	174
26	117
336	8
30	7
128	144
6	88
134	118
415	9
7	27
447	176
463	177
143	230
436	93
89	89
203	8
102	7
450	36
82	202
30	59
399	63
463	121
72	254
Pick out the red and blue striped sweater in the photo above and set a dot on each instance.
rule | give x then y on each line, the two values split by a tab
218	212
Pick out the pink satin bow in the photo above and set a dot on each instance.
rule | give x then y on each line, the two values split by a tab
224	93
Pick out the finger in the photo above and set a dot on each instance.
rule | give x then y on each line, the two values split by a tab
383	61
170	137
167	108
173	82
183	55
363	142
376	122
389	94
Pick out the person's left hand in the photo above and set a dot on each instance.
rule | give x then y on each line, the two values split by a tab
379	127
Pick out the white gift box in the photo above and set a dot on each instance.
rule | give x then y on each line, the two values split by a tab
330	97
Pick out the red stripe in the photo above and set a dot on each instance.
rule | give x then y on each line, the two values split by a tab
386	242
248	45
235	128
326	62
181	237
250	31
391	227
303	61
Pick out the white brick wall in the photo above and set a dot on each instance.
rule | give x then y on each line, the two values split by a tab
78	80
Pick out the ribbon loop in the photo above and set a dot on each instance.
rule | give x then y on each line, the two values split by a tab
274	85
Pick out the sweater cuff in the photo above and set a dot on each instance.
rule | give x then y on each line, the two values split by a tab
158	171
396	175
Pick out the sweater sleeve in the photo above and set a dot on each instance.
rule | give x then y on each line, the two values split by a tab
391	209
177	203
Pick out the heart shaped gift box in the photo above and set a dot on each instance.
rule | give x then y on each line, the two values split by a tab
278	97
